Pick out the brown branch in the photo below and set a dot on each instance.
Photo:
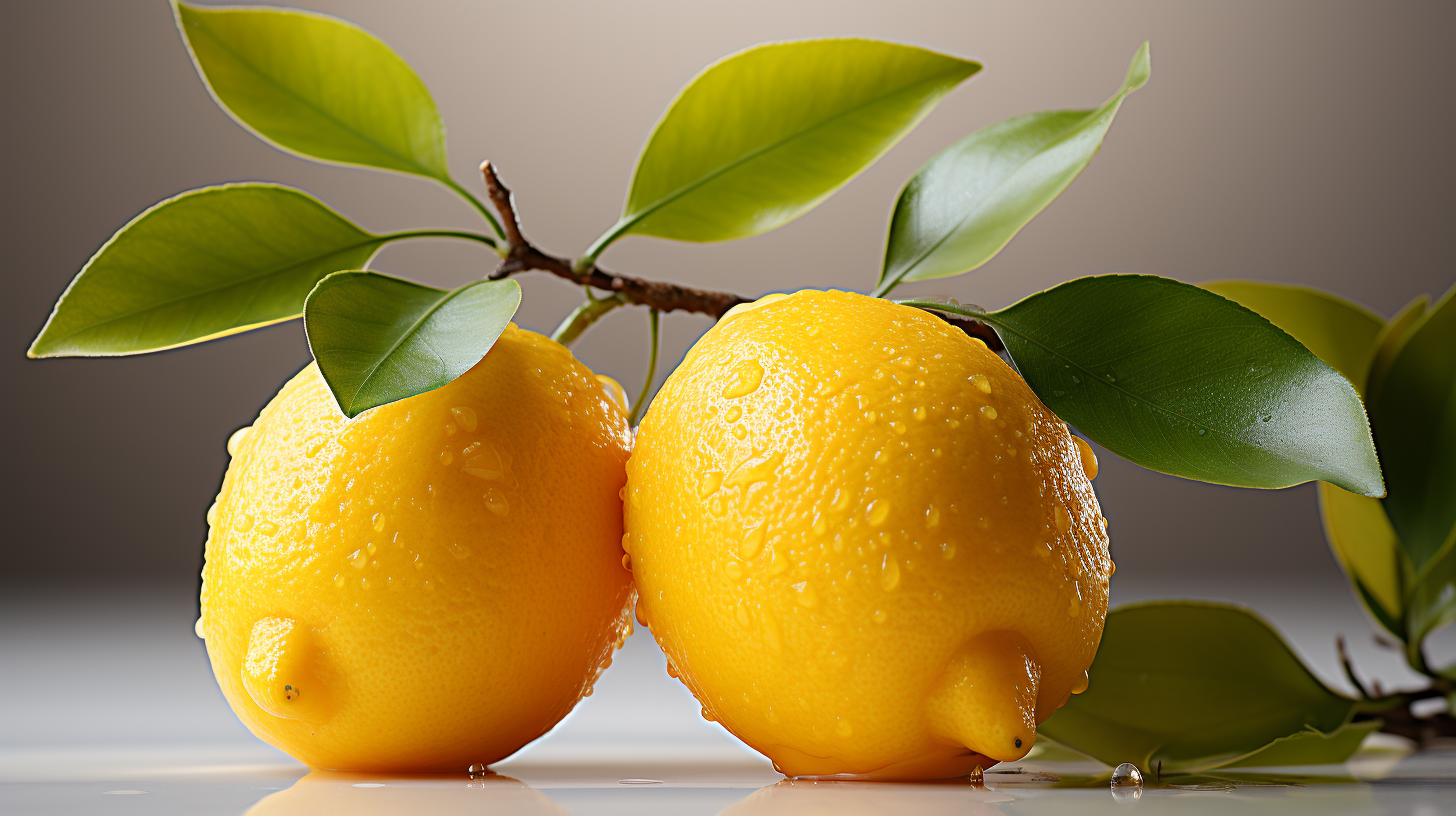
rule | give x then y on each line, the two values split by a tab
522	256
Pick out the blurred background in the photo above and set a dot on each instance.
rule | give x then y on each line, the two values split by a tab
1306	142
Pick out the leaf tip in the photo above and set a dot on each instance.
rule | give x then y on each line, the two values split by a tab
1140	70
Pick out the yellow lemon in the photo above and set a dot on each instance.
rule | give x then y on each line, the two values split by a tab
432	584
863	543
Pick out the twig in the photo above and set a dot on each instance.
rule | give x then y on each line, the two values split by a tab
1349	669
522	256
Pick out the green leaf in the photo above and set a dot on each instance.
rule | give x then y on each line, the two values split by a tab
316	86
1311	747
379	339
971	200
765	134
203	265
1390	341
1193	686
1338	331
1343	334
1367	548
1414	419
1185	382
1432	602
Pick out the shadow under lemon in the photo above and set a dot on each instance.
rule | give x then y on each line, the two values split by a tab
321	793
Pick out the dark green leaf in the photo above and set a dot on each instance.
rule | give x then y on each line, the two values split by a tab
762	136
316	86
969	201
1338	331
1193	686
1183	381
1414	418
379	339
203	265
1390	341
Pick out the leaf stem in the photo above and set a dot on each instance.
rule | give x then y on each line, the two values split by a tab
442	233
584	316
477	204
641	404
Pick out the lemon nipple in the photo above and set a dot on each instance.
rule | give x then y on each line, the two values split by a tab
281	671
986	698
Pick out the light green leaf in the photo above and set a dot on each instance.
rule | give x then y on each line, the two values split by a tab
316	86
1192	686
1338	331
1367	548
971	200
1185	382
764	135
1311	747
1414	419
203	265
379	339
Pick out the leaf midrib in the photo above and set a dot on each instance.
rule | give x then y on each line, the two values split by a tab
418	168
631	221
405	335
201	293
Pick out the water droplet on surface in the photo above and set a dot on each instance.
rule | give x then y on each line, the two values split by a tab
746	378
981	383
358	558
920	413
459	550
236	440
1074	608
733	570
484	461
751	542
889	573
708	483
378	522
1202	432
446	457
1127	783
243	523
1089	459
477	770
820	526
496	502
739	432
339	581
977	777
1061	518
948	550
197	629
733	414
877	512
267	528
932	517
1079	685
627	562
989	412
1076	379
465	416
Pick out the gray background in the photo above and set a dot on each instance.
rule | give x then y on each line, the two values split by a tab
1293	141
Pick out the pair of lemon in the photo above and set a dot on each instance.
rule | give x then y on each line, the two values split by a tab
862	542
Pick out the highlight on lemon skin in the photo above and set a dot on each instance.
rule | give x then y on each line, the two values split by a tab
428	586
862	542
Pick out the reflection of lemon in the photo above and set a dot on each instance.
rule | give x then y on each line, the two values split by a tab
327	792
862	541
432	584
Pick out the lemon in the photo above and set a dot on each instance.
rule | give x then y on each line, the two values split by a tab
862	542
432	584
